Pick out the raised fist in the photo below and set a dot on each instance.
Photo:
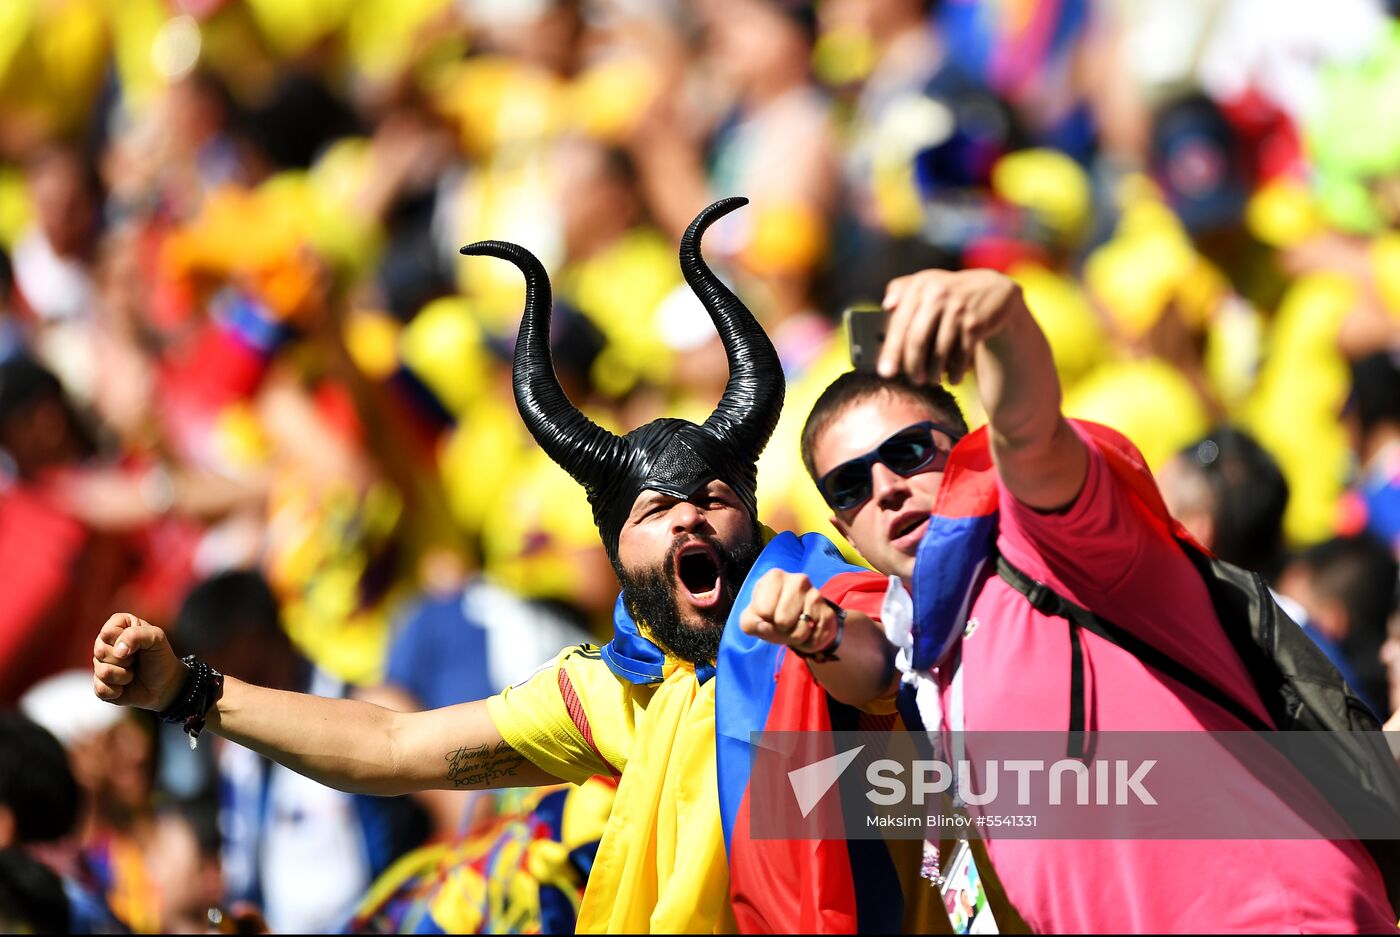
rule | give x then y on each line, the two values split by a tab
787	609
133	665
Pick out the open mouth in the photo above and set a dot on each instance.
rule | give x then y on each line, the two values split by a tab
697	568
907	532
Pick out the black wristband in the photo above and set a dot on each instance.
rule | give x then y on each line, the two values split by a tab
828	653
201	690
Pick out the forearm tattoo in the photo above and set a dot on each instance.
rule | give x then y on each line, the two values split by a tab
480	765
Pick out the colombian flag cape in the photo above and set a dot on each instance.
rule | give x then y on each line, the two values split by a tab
795	886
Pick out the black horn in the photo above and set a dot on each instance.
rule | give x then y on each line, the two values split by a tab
582	448
753	398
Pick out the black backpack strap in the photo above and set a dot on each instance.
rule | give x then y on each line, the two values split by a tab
1049	602
1078	747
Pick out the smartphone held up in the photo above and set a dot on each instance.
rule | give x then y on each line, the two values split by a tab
866	327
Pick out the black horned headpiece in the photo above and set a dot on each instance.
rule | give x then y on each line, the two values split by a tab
671	456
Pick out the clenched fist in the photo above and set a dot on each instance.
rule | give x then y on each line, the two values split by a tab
133	665
787	609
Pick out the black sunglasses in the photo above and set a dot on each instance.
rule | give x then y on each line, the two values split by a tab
908	451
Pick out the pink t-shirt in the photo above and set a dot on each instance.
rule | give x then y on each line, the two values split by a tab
1016	676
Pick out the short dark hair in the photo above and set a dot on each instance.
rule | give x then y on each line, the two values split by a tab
36	782
1360	572
31	896
25	382
1249	495
855	386
225	606
1375	390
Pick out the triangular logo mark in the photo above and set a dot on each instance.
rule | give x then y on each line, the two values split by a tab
810	784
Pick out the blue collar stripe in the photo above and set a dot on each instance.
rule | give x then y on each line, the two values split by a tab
630	655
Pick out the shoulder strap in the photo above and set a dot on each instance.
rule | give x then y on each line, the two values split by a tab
1049	602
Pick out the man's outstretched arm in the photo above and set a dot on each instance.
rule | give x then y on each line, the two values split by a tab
942	322
346	744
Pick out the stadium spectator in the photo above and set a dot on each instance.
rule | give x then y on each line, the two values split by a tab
302	852
1230	494
31	896
233	231
183	858
1372	420
40	805
1073	506
1348	587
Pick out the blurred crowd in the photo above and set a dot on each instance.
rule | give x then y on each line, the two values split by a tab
250	391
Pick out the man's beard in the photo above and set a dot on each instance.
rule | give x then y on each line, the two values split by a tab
652	597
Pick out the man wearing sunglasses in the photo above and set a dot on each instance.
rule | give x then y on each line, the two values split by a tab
1073	506
876	442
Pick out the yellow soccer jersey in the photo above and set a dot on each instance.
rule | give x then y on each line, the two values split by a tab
661	866
534	716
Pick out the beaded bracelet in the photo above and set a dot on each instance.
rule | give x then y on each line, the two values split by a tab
201	690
